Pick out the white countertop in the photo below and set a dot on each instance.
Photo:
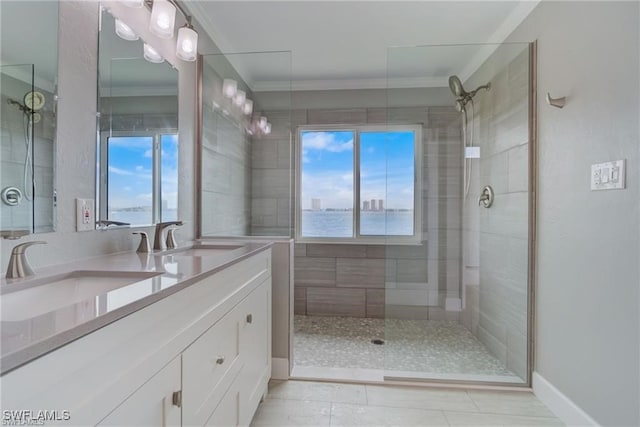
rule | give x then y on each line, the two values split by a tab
25	337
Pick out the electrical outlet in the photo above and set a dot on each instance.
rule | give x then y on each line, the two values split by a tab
85	218
608	175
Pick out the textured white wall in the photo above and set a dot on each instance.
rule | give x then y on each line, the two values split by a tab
76	138
588	323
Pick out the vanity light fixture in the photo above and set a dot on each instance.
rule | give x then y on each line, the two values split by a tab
125	32
229	88
187	45
267	129
163	18
152	55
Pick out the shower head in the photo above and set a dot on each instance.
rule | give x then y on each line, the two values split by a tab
456	86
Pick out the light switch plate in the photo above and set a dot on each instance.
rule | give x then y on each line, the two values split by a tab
85	216
471	152
608	175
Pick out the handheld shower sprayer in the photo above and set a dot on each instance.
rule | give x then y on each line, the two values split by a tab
462	99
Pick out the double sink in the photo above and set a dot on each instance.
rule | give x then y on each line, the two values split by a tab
33	297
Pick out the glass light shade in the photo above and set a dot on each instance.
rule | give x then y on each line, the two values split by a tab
267	128
125	32
152	55
134	3
262	123
229	88
187	45
239	98
163	19
247	108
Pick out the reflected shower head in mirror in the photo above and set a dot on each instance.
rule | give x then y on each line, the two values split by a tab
456	86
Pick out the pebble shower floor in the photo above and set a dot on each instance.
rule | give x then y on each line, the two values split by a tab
438	349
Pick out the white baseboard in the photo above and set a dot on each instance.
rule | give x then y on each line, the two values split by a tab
279	368
563	407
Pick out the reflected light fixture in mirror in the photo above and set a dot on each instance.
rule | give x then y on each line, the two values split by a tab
229	88
152	55
239	98
247	108
125	32
133	3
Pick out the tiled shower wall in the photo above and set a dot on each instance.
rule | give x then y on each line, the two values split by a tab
226	168
496	239
350	280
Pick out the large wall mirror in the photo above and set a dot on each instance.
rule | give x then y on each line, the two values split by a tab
137	165
28	80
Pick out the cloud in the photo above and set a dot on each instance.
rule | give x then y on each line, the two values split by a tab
326	141
118	171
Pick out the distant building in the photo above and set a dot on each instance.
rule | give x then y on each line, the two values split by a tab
366	206
373	204
316	204
380	205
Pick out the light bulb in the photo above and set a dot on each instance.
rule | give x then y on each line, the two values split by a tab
187	44
262	123
163	16
125	32
134	3
247	108
267	129
229	88
152	55
239	98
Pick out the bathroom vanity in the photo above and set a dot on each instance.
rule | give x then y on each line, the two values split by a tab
184	338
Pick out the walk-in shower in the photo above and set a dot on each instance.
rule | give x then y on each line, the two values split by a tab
464	98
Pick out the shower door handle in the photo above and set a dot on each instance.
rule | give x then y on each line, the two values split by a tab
486	197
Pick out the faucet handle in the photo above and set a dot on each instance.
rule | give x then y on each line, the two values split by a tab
143	247
171	239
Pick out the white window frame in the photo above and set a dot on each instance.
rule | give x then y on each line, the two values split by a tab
358	239
156	162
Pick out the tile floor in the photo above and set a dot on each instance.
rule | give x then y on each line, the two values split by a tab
306	403
341	348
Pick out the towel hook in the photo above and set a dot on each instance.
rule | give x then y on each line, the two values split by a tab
556	102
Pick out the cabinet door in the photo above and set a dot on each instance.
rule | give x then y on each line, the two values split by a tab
255	349
152	404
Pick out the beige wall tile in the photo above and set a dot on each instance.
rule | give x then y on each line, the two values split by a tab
360	273
311	271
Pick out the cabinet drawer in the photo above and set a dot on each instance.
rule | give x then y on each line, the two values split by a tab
209	366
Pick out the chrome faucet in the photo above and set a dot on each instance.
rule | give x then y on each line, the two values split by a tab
158	240
18	264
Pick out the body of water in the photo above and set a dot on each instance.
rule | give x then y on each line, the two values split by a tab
340	223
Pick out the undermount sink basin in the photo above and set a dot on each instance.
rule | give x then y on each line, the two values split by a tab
46	294
204	250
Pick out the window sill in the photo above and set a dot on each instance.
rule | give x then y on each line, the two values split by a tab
413	241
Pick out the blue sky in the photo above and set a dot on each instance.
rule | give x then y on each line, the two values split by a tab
386	172
130	171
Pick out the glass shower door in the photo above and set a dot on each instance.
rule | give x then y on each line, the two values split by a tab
457	301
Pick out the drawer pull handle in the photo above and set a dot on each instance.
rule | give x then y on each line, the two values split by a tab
220	360
176	398
249	318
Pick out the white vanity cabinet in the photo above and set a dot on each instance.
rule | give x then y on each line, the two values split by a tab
201	356
225	372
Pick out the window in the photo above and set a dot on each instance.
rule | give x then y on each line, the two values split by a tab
139	177
359	184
